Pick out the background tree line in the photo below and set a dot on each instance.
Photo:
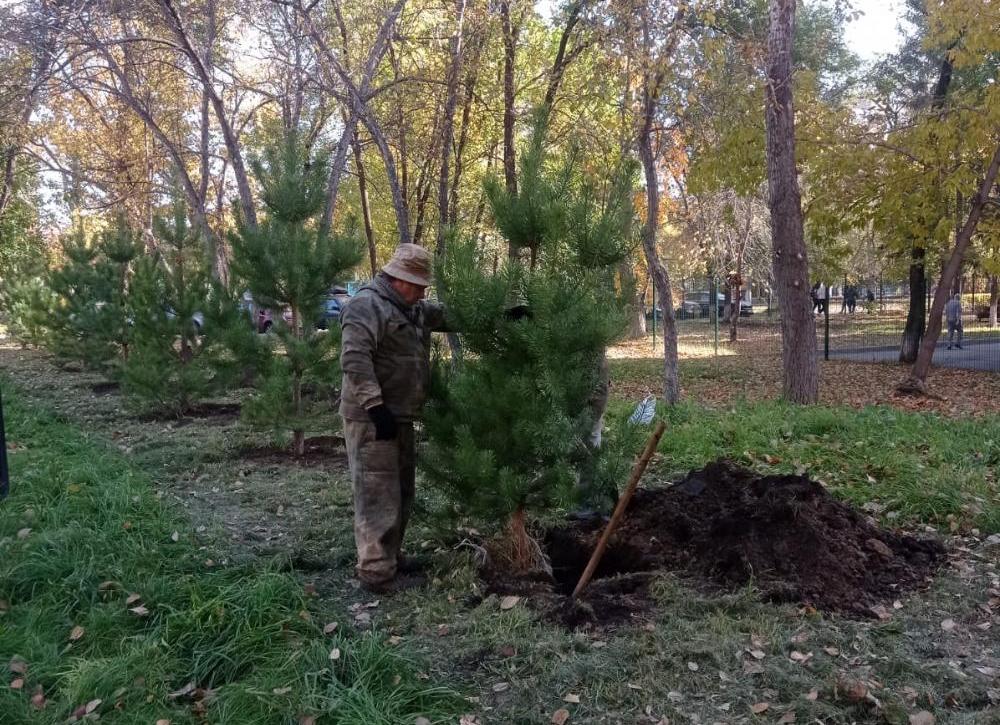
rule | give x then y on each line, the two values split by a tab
119	109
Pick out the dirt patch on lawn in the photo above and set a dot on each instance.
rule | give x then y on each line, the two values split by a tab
321	451
726	527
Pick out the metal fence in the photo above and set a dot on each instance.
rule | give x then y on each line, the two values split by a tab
869	330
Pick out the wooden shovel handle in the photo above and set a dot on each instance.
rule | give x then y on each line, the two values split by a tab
616	517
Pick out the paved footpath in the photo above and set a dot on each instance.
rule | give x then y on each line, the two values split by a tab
975	355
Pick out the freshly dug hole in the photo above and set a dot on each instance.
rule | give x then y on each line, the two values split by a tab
728	526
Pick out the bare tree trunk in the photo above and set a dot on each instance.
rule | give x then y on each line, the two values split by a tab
994	299
916	315
562	60
918	377
463	136
372	63
457	49
510	32
42	51
228	135
735	292
657	269
791	266
637	308
366	213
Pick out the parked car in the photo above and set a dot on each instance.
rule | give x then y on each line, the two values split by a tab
198	318
696	304
332	306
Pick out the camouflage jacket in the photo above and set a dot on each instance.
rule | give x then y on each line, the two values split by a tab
385	351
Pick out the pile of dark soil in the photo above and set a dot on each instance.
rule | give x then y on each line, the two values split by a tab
725	526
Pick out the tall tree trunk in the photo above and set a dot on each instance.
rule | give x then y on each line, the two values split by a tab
463	136
994	299
918	377
637	307
456	48
657	269
562	60
366	213
790	262
356	109
735	292
228	134
510	32
916	316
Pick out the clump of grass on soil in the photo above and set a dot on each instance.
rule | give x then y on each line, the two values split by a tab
100	600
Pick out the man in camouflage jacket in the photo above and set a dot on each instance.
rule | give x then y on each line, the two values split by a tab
385	357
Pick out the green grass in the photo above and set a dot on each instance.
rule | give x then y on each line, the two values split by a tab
82	531
909	467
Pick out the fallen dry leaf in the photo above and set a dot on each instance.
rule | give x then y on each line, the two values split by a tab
881	612
787	718
17	683
311	720
922	718
760	708
633	686
107	585
572	698
757	654
38	700
132	599
501	687
509	602
948	625
853	690
693	666
175	537
281	690
832	651
752	668
139	611
812	695
17	666
92	705
800	657
186	690
162	722
23	533
330	628
421	721
76	633
335	653
560	716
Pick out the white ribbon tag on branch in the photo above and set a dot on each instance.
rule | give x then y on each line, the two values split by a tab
644	411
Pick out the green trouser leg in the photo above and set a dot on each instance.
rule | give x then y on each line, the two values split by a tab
383	477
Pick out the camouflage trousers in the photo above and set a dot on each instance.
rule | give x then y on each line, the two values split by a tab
383	476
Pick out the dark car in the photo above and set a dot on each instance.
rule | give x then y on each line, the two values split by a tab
696	304
332	305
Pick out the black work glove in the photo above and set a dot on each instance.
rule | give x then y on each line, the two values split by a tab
385	423
519	312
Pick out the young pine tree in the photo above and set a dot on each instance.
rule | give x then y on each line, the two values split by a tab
508	430
90	319
288	264
179	318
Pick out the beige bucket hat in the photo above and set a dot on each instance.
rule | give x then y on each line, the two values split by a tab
411	263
